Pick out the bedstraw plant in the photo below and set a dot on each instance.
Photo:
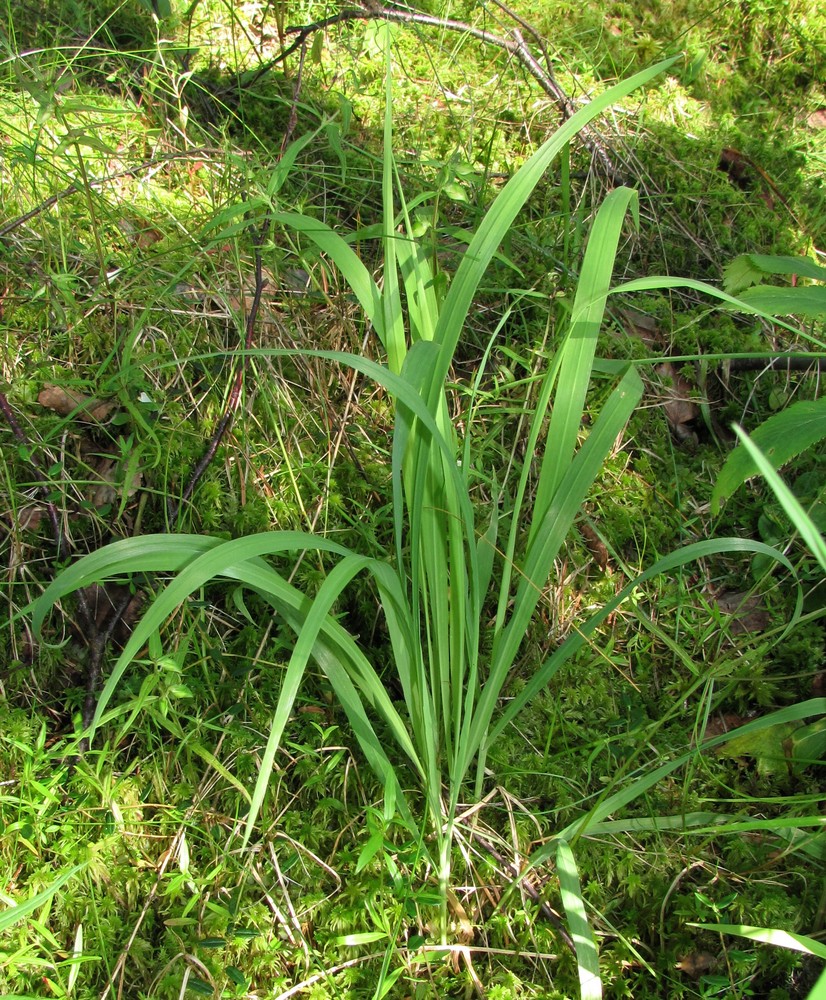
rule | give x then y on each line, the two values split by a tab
459	590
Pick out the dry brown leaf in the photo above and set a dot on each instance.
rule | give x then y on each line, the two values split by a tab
722	723
461	924
817	119
108	489
594	544
642	326
67	402
142	234
747	610
680	409
28	518
740	169
697	963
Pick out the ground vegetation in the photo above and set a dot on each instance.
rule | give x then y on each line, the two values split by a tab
389	606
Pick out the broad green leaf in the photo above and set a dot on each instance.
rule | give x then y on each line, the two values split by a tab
354	940
748	269
803	267
370	850
781	438
770	748
808	743
740	273
804	300
160	8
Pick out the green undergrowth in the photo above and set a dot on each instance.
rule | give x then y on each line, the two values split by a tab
133	287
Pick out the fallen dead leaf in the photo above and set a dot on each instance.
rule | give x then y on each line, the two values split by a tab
642	326
67	402
142	235
107	488
697	963
748	612
722	723
817	119
739	168
595	545
28	518
680	409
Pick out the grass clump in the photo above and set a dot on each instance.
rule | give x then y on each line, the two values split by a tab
140	294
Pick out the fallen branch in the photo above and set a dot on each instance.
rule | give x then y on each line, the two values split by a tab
515	46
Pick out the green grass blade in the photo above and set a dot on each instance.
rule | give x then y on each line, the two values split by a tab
509	562
286	162
705	823
419	288
147	554
198	560
553	529
580	346
336	652
407	660
613	803
789	502
585	945
211	564
395	342
770	935
502	213
12	914
317	617
346	260
554	520
659	282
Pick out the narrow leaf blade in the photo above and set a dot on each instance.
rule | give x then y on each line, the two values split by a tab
585	945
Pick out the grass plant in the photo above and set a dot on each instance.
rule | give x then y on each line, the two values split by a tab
510	433
457	595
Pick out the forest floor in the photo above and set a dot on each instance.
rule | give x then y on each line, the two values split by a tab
141	160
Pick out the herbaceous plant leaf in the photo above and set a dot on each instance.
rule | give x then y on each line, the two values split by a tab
781	438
